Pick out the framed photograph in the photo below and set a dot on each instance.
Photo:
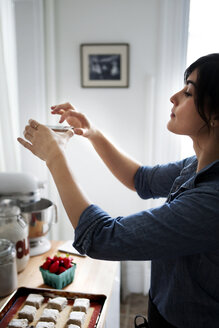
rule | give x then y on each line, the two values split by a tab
105	65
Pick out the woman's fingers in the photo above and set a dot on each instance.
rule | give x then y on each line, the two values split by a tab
68	112
29	133
34	124
81	132
58	111
74	114
64	107
66	115
73	118
31	129
28	136
25	144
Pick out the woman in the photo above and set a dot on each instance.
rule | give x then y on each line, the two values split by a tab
181	237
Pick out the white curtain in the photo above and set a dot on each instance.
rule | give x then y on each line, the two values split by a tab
9	149
162	146
63	229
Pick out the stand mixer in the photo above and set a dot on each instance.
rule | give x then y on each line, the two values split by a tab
39	213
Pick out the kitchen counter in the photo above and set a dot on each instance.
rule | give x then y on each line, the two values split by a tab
91	276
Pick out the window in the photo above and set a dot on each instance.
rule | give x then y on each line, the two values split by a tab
202	40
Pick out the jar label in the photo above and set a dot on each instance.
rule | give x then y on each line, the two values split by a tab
22	248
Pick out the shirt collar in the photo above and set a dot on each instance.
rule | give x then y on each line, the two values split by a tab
190	171
214	167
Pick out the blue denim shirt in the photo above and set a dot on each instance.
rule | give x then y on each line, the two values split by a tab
181	237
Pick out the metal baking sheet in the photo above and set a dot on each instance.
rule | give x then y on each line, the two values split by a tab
10	309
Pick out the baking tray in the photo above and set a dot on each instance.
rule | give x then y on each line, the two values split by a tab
10	309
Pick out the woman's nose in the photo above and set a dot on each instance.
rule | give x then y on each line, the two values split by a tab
173	98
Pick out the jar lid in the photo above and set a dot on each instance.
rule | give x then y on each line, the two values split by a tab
7	208
6	248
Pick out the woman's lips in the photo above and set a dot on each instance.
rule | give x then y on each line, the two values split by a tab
172	115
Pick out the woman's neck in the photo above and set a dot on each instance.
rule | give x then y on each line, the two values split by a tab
206	152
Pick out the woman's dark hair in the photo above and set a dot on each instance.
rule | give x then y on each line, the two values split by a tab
207	86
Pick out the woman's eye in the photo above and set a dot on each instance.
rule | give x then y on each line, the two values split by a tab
187	94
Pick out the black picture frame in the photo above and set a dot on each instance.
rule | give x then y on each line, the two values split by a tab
104	65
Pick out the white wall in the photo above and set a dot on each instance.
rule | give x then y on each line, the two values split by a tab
120	113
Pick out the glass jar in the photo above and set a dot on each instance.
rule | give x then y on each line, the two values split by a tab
8	267
14	228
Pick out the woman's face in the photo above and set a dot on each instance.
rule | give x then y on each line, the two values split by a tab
184	118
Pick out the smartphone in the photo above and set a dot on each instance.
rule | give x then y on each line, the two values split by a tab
60	128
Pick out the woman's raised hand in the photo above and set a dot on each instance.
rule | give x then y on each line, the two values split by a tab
43	142
74	118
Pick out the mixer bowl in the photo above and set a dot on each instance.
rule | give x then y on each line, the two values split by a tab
40	216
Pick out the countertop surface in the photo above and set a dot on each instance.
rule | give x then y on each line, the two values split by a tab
91	276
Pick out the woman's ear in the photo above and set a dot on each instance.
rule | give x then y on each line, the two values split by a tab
214	122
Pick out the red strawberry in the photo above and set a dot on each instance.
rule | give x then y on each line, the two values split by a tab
54	267
61	269
55	258
58	264
67	263
49	258
46	264
61	258
61	263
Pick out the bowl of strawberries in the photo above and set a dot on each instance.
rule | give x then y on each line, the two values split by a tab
58	271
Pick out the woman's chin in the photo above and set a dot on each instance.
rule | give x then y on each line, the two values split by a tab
170	126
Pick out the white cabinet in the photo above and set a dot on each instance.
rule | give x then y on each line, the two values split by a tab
113	312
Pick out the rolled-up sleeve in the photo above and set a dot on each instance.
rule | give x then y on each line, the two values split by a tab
156	181
187	225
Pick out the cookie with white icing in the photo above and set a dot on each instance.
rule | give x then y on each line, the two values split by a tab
76	318
34	300
49	315
58	303
45	324
18	323
27	312
81	304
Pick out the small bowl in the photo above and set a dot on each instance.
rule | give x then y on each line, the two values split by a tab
58	281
